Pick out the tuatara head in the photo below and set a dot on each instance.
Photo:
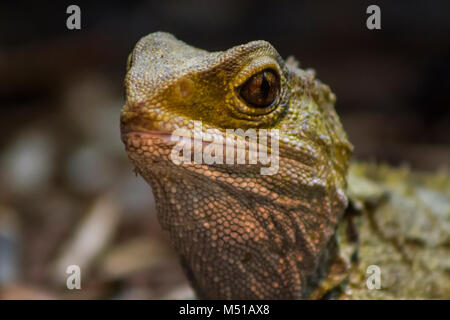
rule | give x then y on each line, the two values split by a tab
239	233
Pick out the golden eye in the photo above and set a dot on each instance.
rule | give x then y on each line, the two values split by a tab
262	89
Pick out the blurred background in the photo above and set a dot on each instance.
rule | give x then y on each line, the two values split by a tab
68	194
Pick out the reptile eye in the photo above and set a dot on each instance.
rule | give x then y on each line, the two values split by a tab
261	89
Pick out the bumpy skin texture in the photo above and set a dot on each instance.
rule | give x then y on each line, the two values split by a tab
404	228
240	234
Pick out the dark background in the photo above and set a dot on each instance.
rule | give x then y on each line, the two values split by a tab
61	92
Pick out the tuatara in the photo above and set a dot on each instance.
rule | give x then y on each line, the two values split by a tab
310	229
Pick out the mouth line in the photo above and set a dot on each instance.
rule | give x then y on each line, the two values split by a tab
143	133
148	130
166	138
147	133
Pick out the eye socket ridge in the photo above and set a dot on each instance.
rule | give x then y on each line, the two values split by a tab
262	89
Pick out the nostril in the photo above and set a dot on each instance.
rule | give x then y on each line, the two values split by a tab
185	87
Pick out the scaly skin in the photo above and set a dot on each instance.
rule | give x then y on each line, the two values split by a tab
404	228
240	234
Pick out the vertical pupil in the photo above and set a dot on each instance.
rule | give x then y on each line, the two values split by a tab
265	86
261	89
